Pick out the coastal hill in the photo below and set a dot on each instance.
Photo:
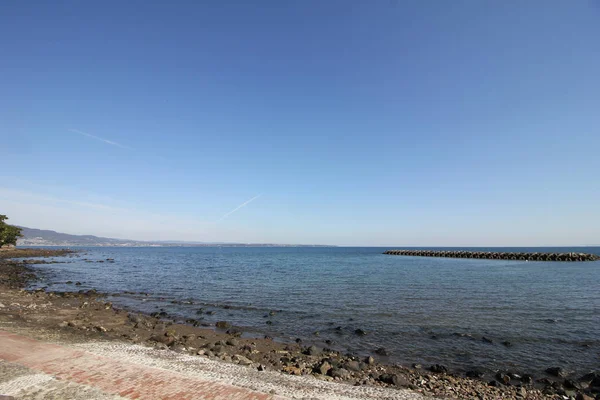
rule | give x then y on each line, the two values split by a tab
43	237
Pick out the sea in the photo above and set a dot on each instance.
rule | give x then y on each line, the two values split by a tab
463	313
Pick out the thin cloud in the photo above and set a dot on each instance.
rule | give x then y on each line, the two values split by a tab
238	207
100	139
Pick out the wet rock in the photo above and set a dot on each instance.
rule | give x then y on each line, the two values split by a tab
571	384
382	351
360	332
506	343
438	368
370	360
393	379
298	340
503	378
223	324
493	383
232	342
556	371
527	379
474	373
487	340
581	396
522	392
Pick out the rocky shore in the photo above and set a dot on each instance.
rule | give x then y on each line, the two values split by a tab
86	315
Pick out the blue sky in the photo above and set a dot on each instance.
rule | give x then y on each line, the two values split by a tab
344	122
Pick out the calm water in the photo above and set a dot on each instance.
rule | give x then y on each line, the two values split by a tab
423	310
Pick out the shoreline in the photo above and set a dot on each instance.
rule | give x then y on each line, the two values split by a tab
87	316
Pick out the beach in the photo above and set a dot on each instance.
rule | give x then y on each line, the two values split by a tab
88	319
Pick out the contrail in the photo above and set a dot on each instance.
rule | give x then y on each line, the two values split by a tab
100	139
238	207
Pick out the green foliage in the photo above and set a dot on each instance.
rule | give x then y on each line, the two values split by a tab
8	233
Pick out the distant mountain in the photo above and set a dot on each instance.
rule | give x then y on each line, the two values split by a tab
43	237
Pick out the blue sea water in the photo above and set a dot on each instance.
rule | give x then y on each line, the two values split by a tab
422	310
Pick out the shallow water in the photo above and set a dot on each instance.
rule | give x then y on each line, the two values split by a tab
422	310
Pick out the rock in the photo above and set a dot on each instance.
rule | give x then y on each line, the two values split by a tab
340	373
438	368
493	383
232	342
503	378
581	396
166	340
417	366
527	379
522	392
352	366
571	384
486	340
324	368
223	324
506	343
474	374
370	360
360	332
312	351
298	340
63	324
241	360
382	351
556	371
292	370
393	379
201	352
261	368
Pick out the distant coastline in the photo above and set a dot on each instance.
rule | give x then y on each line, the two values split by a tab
42	237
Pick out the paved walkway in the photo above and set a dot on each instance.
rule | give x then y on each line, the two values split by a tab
111	376
110	370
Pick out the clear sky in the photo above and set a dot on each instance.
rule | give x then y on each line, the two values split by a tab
332	122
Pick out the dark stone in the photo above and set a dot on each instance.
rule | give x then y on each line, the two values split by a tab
360	332
474	374
506	343
503	378
353	366
571	384
437	368
261	368
298	340
223	324
486	340
269	322
382	351
556	371
393	379
312	351
493	383
527	379
340	373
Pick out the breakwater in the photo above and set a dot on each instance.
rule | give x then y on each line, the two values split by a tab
492	255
